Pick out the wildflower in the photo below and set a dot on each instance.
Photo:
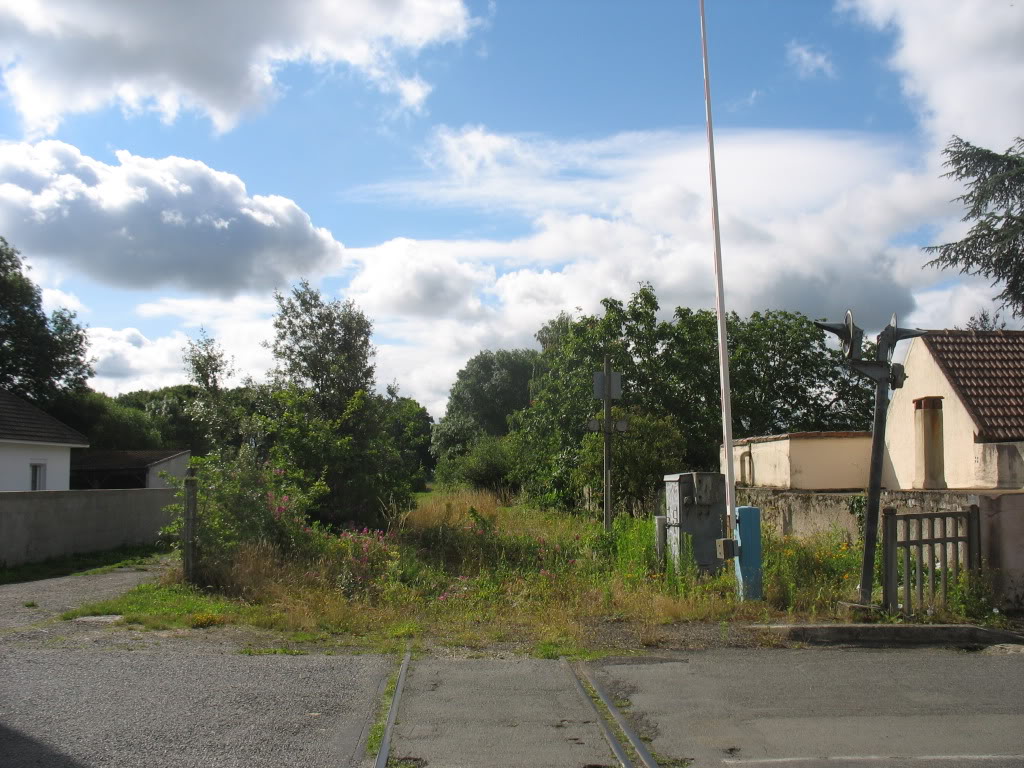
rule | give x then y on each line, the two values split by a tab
284	499
577	537
558	548
443	597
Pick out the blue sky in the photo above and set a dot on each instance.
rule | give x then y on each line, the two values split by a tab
466	170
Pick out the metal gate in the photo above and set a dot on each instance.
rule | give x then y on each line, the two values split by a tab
924	553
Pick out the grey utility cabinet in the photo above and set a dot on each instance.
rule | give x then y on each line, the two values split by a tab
695	504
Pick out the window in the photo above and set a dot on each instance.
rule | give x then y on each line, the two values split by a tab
38	477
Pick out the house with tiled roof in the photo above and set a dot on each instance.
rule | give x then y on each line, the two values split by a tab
958	422
35	448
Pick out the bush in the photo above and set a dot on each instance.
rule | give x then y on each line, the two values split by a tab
487	466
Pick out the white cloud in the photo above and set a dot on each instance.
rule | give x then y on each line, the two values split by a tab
961	63
54	298
220	59
147	222
126	360
809	61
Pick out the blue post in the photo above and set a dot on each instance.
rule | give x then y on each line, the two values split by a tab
748	523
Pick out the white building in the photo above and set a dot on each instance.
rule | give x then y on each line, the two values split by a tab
35	448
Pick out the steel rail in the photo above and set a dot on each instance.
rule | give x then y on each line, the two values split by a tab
385	742
620	753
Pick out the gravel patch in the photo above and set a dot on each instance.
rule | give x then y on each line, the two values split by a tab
54	596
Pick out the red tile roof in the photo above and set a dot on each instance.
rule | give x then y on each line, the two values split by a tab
986	368
23	422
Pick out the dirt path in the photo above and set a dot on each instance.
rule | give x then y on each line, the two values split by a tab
54	596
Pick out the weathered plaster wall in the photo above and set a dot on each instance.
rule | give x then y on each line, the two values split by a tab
809	462
37	525
926	379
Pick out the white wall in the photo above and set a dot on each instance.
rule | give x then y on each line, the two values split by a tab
823	461
926	379
16	458
174	466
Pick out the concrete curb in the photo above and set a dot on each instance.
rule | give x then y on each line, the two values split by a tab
890	635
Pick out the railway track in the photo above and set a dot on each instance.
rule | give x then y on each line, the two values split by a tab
626	749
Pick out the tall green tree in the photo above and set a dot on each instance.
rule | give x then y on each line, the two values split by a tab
107	423
491	386
994	246
169	408
323	346
40	357
784	379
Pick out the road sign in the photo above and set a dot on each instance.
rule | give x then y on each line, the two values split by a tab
616	389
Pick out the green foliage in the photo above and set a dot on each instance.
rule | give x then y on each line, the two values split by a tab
784	378
650	449
487	465
317	415
40	357
809	575
323	346
169	409
490	387
106	423
994	246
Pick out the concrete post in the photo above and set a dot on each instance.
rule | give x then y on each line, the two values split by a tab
660	538
188	534
929	462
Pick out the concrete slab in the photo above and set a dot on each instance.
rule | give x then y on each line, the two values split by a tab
810	707
488	713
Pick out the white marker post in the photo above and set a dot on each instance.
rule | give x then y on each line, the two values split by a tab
723	337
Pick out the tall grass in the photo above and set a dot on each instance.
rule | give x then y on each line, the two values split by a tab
467	570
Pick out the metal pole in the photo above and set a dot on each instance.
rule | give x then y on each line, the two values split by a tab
723	339
867	572
607	443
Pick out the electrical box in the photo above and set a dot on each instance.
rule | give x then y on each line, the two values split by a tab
725	548
695	505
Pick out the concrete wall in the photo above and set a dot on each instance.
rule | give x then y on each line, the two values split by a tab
15	469
39	525
174	466
926	379
803	513
806	461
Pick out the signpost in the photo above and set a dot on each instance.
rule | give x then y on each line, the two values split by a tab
607	387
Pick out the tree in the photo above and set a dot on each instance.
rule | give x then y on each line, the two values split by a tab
170	410
984	321
784	379
490	387
994	246
323	346
105	422
40	357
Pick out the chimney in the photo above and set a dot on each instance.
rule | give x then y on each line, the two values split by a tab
929	469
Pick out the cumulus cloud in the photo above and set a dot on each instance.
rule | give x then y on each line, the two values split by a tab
220	59
147	222
809	61
127	360
960	63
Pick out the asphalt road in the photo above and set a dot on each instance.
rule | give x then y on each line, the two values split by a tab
184	707
828	707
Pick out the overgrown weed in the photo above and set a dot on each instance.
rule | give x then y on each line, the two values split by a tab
464	570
